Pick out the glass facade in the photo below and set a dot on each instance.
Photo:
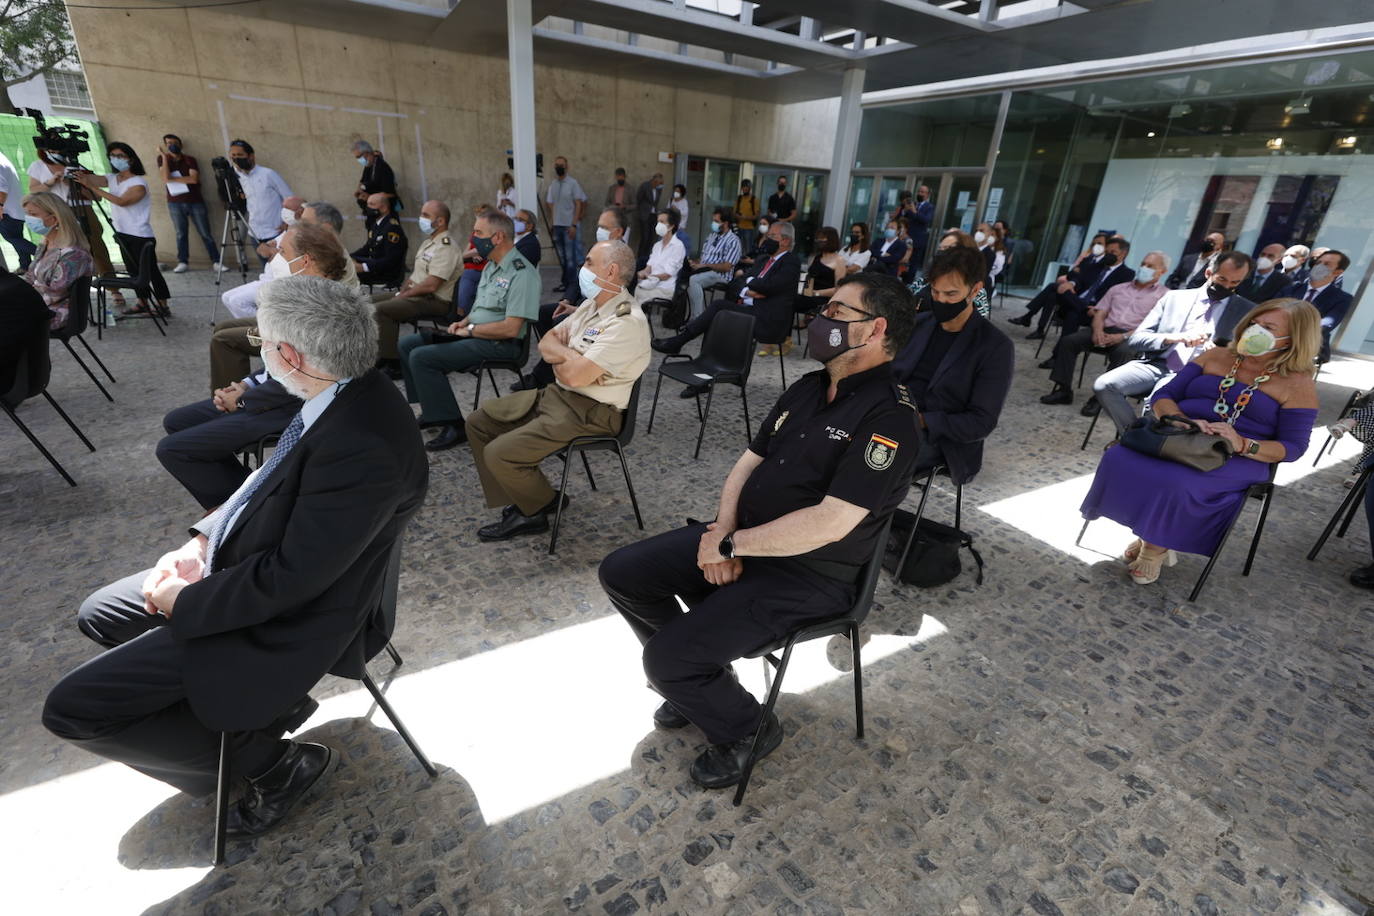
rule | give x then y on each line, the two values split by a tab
1277	151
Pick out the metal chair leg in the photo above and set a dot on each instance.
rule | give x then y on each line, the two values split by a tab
87	369
744	397
103	367
782	367
654	410
37	444
1259	530
477	395
915	523
1078	541
558	506
625	468
587	466
858	682
1089	434
1212	560
404	732
395	656
1359	490
63	414
752	759
222	787
959	506
701	432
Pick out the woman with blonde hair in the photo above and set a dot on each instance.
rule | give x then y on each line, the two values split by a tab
1258	395
63	255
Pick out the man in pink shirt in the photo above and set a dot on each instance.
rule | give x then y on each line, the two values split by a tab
1115	316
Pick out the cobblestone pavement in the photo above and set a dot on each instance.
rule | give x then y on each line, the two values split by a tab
1057	740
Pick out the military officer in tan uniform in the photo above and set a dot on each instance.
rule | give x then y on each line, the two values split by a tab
597	354
428	291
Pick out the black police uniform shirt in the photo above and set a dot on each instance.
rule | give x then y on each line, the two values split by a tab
378	178
384	252
859	448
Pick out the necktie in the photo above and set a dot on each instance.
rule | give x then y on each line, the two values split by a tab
289	437
1311	294
767	267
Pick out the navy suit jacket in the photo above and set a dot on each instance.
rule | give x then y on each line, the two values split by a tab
1333	303
964	399
529	247
889	263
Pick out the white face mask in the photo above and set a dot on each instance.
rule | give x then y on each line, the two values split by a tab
603	234
1145	274
677	195
426	225
980	237
661	229
288	216
1320	274
1264	264
1258	340
1099	250
586	281
1288	262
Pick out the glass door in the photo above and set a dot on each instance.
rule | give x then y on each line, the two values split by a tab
721	188
860	209
890	188
810	194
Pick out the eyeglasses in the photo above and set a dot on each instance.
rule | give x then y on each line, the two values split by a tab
254	337
832	305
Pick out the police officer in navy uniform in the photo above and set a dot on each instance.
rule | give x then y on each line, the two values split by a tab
798	517
382	259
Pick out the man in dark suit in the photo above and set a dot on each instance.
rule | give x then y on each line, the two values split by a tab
1321	289
646	213
957	367
526	238
767	293
1083	291
1192	268
231	631
1080	276
918	219
1268	277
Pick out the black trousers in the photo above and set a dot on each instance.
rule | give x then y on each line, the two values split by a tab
132	247
129	704
687	657
201	442
1071	346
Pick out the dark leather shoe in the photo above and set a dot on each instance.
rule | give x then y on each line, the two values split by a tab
448	437
692	391
1360	578
1091	407
1036	335
1047	364
722	765
1058	396
514	525
667	716
271	796
666	344
1023	320
295	717
432	424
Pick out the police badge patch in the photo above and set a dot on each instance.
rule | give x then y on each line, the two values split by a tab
835	337
880	452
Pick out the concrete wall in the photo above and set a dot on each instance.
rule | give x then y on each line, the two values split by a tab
302	95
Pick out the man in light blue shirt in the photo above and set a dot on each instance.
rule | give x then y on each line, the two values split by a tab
264	190
566	202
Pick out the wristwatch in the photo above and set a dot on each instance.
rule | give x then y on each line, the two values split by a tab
727	546
1253	448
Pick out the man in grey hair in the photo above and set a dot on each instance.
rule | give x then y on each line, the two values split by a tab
377	178
229	632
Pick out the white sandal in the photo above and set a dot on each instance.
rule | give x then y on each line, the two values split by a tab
1147	567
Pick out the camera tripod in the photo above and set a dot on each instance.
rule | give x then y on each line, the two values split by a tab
236	229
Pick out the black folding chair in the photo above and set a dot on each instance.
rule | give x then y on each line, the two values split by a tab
255	452
920	513
846	625
584	444
727	352
1139	398
516	365
1263	491
1356	400
78	320
31	377
352	666
1083	364
684	276
147	262
1345	512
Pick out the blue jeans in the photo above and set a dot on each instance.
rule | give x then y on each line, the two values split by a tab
467	291
570	252
12	230
197	214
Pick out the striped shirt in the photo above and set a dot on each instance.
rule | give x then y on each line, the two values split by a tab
723	246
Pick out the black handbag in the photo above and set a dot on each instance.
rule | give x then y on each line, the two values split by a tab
934	556
1162	439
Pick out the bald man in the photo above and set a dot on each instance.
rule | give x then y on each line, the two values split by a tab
428	291
382	259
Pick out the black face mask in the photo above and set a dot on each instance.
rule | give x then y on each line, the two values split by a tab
782	188
853	238
560	170
1208	246
174	149
827	338
620	181
946	311
768	246
1108	259
243	164
373	212
1216	292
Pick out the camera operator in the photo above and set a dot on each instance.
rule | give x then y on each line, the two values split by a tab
12	214
127	190
264	191
178	168
49	173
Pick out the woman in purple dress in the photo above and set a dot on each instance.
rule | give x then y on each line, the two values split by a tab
1259	395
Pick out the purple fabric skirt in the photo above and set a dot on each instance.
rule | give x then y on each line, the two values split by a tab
1169	504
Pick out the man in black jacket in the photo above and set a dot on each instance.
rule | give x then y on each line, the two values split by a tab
1081	289
381	261
229	632
1192	268
957	367
646	213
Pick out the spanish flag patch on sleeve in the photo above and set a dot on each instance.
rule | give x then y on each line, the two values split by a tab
880	452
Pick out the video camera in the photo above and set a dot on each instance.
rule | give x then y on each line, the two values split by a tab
64	140
227	185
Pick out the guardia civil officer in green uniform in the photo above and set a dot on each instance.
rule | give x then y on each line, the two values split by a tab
597	354
382	259
799	515
507	300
